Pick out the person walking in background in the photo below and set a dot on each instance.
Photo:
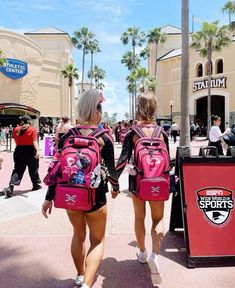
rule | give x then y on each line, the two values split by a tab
146	112
215	134
174	131
62	128
26	154
117	132
2	136
87	262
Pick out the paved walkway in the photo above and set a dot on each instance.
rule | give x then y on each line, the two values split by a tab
35	252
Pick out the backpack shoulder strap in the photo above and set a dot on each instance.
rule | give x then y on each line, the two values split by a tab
157	132
139	132
98	132
75	131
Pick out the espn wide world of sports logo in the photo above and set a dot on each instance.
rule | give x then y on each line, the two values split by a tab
216	203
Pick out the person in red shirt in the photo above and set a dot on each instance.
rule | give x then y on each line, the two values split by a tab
26	154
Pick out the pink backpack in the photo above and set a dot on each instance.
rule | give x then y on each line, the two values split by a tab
151	160
78	159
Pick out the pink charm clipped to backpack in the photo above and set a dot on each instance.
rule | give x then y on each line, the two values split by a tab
151	160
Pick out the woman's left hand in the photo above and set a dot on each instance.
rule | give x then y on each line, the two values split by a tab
46	207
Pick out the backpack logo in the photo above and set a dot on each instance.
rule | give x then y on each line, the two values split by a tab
152	162
70	198
155	190
216	203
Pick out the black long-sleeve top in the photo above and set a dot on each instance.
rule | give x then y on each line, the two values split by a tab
107	154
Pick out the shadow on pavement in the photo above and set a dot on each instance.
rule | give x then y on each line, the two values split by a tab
173	247
125	274
16	271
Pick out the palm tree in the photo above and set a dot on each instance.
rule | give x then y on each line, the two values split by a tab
70	72
145	53
93	47
136	38
127	115
101	86
141	81
212	37
98	74
127	59
184	125
106	116
2	60
81	40
229	7
156	36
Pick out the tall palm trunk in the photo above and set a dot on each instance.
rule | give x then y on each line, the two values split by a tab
83	68
155	67
209	91
134	93
92	58
184	127
71	104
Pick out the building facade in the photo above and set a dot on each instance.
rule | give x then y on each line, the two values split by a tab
169	78
31	81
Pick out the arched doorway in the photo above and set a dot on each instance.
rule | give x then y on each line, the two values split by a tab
217	108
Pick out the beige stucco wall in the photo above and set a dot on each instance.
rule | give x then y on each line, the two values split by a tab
43	88
168	82
24	90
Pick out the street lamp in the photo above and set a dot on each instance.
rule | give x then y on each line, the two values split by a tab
171	106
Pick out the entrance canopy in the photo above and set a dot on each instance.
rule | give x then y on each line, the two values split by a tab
10	112
15	106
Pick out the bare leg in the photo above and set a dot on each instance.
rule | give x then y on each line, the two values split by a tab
139	209
78	250
96	222
157	211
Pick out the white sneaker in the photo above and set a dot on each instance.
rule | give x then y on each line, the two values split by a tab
142	256
154	267
79	280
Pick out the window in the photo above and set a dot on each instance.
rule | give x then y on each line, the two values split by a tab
199	70
220	66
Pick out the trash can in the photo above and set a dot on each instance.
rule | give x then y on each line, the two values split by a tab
207	190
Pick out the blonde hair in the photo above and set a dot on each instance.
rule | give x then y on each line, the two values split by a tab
146	106
87	106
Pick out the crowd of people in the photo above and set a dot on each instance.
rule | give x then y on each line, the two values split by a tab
89	111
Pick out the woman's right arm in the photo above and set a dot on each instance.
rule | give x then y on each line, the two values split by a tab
126	153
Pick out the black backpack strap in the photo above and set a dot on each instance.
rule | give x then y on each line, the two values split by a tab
139	132
98	132
157	132
75	131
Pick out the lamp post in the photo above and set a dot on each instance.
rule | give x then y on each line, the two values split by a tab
171	106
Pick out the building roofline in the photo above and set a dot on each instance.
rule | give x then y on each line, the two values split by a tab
165	54
37	32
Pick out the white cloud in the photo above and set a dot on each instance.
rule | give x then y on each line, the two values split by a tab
116	100
41	5
103	6
109	39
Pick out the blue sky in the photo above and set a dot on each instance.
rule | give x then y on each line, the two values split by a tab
108	19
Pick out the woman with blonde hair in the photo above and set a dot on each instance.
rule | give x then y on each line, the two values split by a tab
87	262
146	114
